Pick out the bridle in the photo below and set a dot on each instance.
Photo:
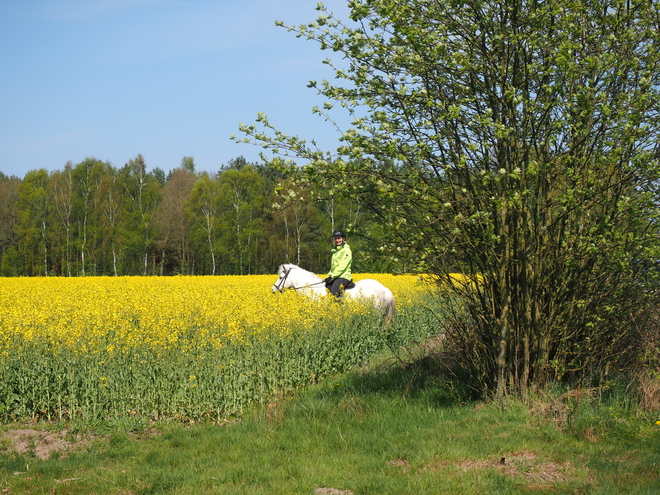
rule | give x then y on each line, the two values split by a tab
279	285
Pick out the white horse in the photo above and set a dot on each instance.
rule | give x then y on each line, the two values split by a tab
290	276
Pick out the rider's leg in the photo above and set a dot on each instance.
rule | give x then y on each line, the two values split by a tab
338	287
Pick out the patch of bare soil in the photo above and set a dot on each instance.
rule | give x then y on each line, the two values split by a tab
41	444
332	491
517	464
402	463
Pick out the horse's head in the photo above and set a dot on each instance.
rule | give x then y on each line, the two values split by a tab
283	281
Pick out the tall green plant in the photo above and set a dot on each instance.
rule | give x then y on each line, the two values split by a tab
513	139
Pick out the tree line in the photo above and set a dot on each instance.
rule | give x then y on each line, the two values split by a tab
93	218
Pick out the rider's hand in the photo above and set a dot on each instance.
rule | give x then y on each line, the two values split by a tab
328	280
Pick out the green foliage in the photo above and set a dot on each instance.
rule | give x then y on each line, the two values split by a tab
511	139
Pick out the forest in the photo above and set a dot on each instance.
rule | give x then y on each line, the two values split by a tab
92	218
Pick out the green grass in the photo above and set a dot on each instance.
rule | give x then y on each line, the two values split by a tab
391	429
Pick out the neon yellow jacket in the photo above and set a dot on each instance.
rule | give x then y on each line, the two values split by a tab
341	261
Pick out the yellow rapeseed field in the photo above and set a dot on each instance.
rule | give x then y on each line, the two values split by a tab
181	347
72	311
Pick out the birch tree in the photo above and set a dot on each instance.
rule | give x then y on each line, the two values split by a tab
241	200
60	187
203	212
143	195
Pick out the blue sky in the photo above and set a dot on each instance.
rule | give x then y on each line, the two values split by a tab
165	78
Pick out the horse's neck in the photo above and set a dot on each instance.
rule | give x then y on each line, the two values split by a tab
304	279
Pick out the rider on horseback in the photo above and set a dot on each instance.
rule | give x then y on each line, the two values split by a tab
339	277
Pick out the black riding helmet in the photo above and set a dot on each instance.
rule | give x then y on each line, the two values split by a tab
338	233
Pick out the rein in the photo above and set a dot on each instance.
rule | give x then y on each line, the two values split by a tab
309	285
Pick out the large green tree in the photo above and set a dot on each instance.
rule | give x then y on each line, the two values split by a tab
203	213
61	190
173	240
143	194
33	227
87	178
242	195
110	215
514	139
8	222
